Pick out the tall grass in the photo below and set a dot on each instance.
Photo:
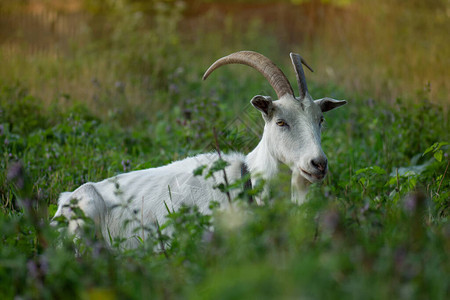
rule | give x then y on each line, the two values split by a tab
128	96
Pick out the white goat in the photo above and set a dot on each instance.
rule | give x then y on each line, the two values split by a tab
291	136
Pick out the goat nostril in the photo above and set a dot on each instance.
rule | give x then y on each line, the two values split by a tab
320	164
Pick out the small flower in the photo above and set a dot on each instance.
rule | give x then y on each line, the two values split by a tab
414	202
126	165
33	270
331	220
173	88
120	86
16	174
365	208
410	203
207	236
95	82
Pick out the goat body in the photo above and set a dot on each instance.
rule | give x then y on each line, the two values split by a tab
142	198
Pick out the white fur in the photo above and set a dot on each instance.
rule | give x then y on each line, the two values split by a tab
143	196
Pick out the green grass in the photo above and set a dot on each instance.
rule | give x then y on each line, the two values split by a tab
376	228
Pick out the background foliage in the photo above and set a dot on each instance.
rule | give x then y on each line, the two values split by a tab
93	88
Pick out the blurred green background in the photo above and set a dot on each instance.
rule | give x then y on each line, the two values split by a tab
381	49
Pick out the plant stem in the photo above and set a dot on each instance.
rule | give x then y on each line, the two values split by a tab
442	179
224	173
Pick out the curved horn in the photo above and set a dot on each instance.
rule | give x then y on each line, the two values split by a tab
265	66
297	61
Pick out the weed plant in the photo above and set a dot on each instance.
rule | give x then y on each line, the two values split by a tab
376	228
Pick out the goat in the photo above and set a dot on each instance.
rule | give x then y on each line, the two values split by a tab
291	136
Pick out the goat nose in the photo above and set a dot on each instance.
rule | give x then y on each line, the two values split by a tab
320	164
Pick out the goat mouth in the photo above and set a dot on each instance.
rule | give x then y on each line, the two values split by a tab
313	177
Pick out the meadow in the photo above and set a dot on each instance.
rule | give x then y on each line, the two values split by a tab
124	93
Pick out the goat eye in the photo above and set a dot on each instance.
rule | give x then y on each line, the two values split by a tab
321	120
281	123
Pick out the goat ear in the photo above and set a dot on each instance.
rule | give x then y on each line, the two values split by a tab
327	104
263	104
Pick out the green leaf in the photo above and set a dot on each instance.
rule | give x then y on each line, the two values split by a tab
141	241
222	187
373	169
438	155
435	147
199	171
412	182
378	170
218	165
52	208
392	181
361	171
442	144
431	148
